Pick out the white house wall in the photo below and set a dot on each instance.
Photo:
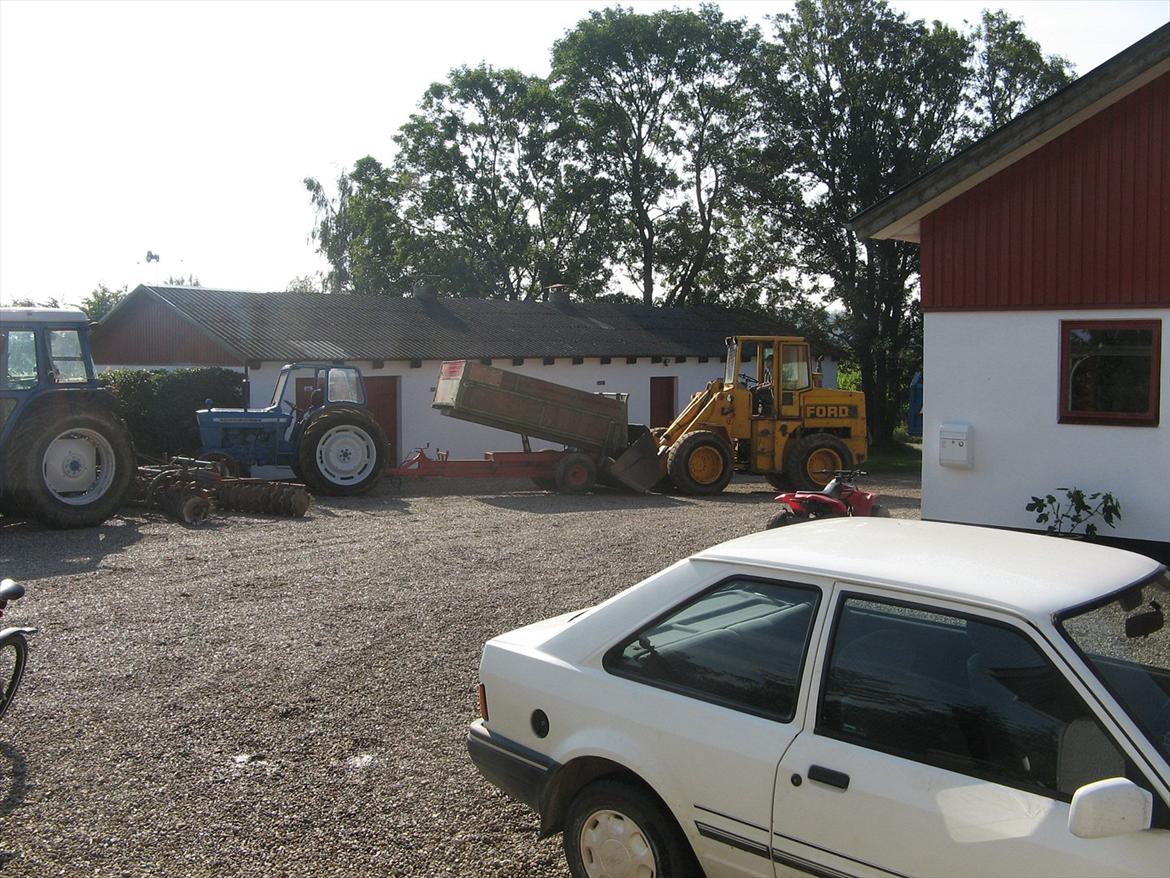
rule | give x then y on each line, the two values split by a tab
999	372
420	425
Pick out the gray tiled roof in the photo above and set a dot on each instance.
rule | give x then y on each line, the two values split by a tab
295	326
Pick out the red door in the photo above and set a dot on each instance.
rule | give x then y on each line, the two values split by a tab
382	399
662	396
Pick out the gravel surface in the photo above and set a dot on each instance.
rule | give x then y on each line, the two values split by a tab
269	696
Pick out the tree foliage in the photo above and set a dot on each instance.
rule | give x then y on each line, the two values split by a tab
102	300
1010	72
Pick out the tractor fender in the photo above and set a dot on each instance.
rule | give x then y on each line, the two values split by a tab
335	408
59	402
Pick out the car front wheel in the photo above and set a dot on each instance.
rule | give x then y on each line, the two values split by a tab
615	830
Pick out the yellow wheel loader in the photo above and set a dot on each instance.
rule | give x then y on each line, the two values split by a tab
769	416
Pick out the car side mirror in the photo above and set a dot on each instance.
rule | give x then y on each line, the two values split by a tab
1105	808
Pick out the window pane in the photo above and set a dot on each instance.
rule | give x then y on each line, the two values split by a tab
343	386
795	367
68	362
20	354
741	645
65	343
1109	369
965	695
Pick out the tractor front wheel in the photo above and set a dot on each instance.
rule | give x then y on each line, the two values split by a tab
73	470
700	463
342	452
814	460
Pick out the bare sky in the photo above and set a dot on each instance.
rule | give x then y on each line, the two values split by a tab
186	128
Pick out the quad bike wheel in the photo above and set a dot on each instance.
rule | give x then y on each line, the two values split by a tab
342	452
71	470
783	518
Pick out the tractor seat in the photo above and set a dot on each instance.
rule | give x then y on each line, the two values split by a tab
316	398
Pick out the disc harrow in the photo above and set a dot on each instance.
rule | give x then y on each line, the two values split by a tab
187	489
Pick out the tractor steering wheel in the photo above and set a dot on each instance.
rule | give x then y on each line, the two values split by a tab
749	380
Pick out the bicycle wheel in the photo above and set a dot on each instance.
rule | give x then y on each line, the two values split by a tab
13	655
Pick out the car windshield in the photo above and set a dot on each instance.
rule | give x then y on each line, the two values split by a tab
1127	644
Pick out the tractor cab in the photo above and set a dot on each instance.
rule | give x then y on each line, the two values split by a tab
303	387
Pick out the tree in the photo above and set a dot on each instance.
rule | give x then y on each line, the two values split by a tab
47	302
666	113
1010	73
361	233
305	283
180	281
493	186
859	101
102	300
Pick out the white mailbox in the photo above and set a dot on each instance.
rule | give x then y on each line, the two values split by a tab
954	445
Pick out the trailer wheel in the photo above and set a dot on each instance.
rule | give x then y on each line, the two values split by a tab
814	458
73	470
700	463
342	452
545	483
576	474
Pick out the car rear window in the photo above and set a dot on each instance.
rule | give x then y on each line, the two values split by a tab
741	645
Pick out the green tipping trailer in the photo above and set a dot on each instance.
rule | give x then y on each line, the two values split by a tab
594	424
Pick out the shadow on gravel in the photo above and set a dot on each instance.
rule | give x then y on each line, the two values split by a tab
12	783
23	554
604	500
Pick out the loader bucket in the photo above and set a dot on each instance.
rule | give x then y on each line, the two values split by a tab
639	467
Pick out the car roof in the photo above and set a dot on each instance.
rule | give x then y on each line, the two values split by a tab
42	315
1030	574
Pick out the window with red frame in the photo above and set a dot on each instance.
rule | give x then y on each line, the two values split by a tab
1109	372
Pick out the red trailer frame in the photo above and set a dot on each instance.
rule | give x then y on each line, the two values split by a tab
571	472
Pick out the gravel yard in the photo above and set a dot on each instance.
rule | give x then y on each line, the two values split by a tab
265	696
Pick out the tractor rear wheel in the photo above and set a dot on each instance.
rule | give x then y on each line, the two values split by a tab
71	470
700	463
342	451
576	474
815	458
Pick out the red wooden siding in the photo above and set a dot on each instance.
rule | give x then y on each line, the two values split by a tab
1082	222
145	332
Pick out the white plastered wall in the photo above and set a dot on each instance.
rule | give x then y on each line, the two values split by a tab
999	372
420	425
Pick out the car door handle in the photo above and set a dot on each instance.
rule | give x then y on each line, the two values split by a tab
820	774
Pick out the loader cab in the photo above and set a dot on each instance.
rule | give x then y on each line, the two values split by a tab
773	370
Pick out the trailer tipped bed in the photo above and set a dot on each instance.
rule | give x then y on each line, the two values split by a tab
594	428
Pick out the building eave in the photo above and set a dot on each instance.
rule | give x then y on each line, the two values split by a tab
898	216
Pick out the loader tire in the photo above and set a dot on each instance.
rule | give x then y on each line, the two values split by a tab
813	460
70	470
700	463
576	474
342	452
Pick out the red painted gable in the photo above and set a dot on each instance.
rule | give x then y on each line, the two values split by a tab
146	332
1082	222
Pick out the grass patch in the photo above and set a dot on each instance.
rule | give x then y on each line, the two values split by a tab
898	457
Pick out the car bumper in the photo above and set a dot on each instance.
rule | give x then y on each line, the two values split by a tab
519	771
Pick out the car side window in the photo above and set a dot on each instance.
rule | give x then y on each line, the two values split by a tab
741	645
967	695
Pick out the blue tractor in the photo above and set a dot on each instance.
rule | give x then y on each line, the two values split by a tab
66	456
330	440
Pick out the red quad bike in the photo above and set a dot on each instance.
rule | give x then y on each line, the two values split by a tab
838	498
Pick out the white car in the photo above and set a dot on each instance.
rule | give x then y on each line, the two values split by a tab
852	696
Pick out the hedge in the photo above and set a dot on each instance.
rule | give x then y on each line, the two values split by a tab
159	406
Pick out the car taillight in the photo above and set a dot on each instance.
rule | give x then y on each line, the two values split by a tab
483	712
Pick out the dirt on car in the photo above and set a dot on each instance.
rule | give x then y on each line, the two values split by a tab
263	696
